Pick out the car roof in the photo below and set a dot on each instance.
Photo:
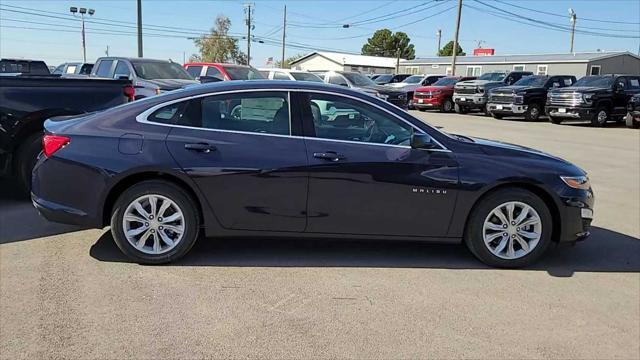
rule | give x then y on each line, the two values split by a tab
215	64
133	59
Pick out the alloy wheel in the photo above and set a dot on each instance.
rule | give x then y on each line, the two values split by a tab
534	113
512	230
602	117
153	224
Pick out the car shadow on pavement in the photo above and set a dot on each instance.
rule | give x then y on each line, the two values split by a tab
605	251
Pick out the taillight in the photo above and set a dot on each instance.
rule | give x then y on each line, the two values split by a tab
53	143
130	92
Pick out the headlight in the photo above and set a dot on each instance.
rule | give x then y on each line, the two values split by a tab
519	99
587	98
402	96
437	92
480	90
577	182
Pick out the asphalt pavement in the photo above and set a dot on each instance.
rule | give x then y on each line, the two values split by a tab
69	293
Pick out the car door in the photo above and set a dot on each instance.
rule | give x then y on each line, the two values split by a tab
364	178
632	87
620	96
238	149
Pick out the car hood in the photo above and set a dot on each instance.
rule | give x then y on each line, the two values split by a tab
477	83
170	84
571	89
379	88
434	88
403	86
514	89
493	146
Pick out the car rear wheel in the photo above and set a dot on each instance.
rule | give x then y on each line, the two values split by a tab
509	228
600	117
27	156
447	106
532	113
555	120
155	222
631	123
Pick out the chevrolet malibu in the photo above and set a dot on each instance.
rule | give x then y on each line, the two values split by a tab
300	159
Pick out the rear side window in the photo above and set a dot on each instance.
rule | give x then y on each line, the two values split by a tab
634	83
104	68
168	114
122	69
86	69
194	70
214	72
278	75
337	80
71	69
260	112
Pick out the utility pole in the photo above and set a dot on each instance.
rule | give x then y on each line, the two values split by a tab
106	52
248	10
139	28
455	40
572	20
284	34
398	61
439	35
74	10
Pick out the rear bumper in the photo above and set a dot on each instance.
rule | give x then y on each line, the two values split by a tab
578	113
62	214
507	109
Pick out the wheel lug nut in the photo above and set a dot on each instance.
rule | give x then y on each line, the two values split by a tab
159	219
160	227
146	224
517	229
504	226
505	234
152	231
513	223
150	217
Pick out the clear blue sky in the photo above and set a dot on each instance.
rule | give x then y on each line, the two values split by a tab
312	23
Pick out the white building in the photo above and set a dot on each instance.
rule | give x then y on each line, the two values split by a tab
332	61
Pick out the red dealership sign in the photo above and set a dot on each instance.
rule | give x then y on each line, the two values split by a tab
483	52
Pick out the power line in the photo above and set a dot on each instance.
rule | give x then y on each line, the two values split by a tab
562	16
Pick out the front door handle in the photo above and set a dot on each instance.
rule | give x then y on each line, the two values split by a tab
328	155
200	147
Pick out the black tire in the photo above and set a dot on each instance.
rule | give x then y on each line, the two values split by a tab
447	106
474	236
422	109
555	120
598	120
27	156
532	113
631	123
171	191
485	111
496	116
461	109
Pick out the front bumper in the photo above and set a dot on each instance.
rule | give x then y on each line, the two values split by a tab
569	112
508	109
430	103
471	100
576	214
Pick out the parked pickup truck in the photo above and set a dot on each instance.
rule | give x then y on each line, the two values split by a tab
149	77
438	95
474	94
633	112
527	97
597	99
27	101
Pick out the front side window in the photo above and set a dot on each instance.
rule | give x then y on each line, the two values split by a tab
59	69
242	73
86	69
303	76
634	83
194	71
279	75
358	79
535	81
259	112
337	80
214	72
71	69
151	70
122	70
595	81
340	118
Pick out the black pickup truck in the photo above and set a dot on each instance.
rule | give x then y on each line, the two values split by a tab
27	101
597	99
526	98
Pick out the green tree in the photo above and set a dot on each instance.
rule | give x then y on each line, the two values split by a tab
386	43
218	46
288	61
447	50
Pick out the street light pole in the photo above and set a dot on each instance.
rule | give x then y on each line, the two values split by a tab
455	40
572	19
439	35
139	28
248	11
74	10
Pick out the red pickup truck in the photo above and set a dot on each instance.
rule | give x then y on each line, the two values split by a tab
438	95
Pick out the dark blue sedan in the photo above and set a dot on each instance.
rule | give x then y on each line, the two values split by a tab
295	159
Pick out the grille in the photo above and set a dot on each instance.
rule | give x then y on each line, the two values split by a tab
565	98
423	95
501	98
466	90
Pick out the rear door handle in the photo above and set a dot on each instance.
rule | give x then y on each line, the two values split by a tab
329	155
200	147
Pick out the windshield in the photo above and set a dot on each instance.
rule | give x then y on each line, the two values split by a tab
243	73
493	76
160	70
531	81
358	79
302	76
413	79
446	82
597	81
384	78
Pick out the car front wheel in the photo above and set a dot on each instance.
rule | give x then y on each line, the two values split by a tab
155	222
510	228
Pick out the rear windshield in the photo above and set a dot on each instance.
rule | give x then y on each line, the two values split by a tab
384	78
243	73
493	76
597	81
446	82
302	76
358	79
531	81
160	70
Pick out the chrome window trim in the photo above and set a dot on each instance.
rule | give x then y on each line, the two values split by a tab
142	117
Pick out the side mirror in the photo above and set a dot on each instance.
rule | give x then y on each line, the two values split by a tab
209	79
422	141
